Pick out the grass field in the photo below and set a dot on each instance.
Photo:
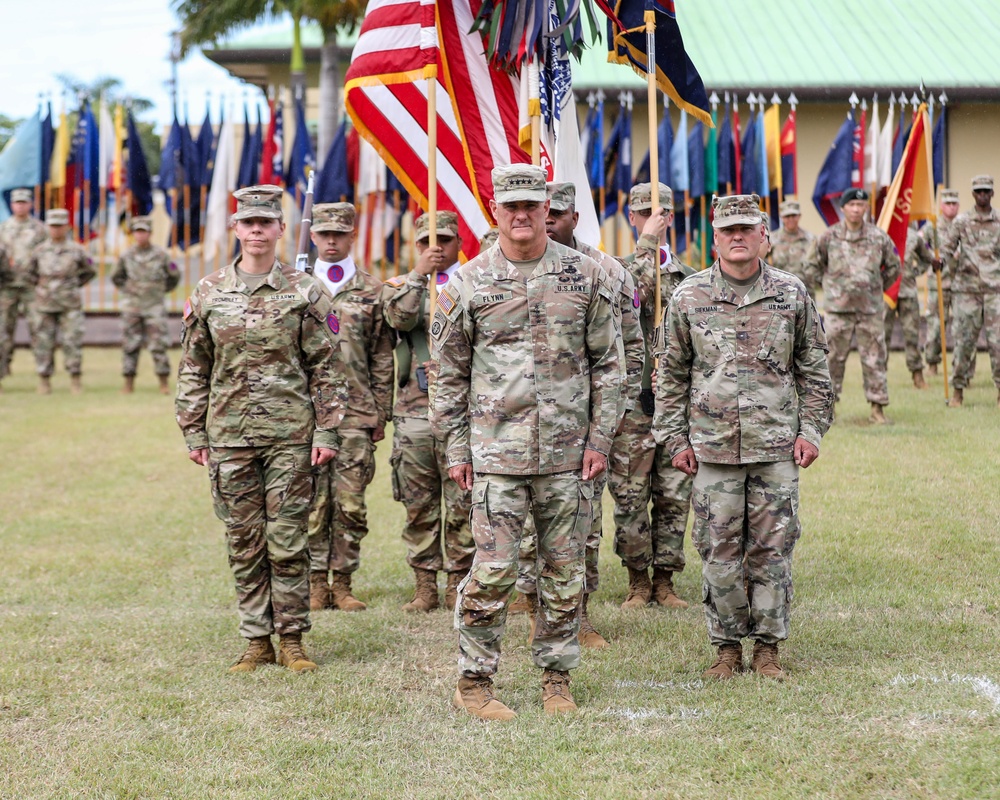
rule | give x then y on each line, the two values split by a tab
118	621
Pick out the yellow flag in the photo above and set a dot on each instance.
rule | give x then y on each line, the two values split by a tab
60	154
116	180
772	137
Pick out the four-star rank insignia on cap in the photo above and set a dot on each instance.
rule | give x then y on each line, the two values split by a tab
333	323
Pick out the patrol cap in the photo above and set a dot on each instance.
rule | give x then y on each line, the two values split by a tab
640	198
21	196
262	202
736	209
562	196
334	217
790	208
141	224
982	182
447	225
489	238
949	196
853	194
57	216
516	182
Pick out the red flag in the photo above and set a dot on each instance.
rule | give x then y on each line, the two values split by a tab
858	149
911	194
272	153
789	156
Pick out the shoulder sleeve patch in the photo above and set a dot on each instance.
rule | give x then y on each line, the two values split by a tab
397	280
445	301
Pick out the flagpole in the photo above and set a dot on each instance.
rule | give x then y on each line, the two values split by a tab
430	73
940	304
395	231
729	183
535	110
673	230
649	16
602	200
874	192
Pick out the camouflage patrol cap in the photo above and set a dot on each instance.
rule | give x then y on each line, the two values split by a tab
562	196
517	182
640	198
258	202
141	224
334	217
21	196
57	216
853	194
982	182
790	208
447	225
949	196
736	209
489	238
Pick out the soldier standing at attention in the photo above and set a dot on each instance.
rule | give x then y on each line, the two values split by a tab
58	268
857	262
974	240
790	246
260	395
527	397
743	397
419	468
908	308
144	276
19	235
945	222
339	518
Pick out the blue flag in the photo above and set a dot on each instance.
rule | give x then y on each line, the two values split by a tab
137	174
680	180
205	146
613	166
696	160
665	141
48	142
333	185
727	160
938	150
303	156
20	161
171	176
748	166
835	175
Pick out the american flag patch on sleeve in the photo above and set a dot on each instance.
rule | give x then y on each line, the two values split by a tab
446	301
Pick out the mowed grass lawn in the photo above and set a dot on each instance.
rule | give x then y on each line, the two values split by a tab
118	620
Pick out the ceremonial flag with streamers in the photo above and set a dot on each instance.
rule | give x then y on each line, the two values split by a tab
333	183
20	160
789	156
139	182
835	175
676	74
911	193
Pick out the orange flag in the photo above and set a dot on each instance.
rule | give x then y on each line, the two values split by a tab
911	193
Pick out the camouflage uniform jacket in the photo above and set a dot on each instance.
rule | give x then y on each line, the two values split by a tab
366	345
790	252
263	368
58	270
529	372
633	343
856	267
20	239
144	276
741	378
6	271
978	265
914	265
926	253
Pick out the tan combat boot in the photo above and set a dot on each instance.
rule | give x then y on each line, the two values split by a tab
44	384
164	384
260	651
128	387
956	399
728	662
918	379
932	369
341	593
639	589
475	695
520	604
75	384
292	655
451	589
765	661
663	589
556	698
319	591
877	417
589	637
426	596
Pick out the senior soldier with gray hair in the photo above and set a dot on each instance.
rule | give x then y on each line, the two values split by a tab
743	397
530	369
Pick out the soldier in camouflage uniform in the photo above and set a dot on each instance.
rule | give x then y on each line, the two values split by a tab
530	370
974	243
144	276
949	210
743	397
790	246
339	517
856	262
260	395
908	308
639	472
19	235
419	468
58	269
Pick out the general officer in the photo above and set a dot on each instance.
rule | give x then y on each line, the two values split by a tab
743	397
530	370
19	235
260	395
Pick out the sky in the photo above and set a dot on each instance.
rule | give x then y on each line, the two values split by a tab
127	39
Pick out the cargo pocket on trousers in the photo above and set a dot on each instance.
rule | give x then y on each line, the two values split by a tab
218	504
700	527
397	479
479	516
792	527
298	496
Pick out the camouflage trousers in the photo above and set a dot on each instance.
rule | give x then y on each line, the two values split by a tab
14	301
527	571
263	495
972	313
745	526
149	328
932	348
908	311
639	471
338	520
561	506
49	327
420	481
870	332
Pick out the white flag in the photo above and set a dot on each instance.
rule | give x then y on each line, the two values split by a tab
871	148
569	166
885	148
106	146
223	185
